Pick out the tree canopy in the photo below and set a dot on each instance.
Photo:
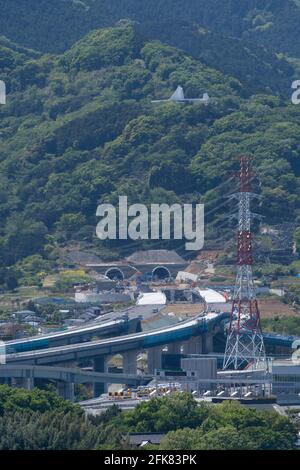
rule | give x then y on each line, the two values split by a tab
41	420
79	129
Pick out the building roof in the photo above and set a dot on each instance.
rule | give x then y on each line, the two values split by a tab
25	312
32	318
103	297
152	298
156	257
146	438
212	296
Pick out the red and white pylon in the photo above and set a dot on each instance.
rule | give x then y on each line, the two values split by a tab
245	345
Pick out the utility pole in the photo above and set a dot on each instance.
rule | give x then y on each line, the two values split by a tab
245	345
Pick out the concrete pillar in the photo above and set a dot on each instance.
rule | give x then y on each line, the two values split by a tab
60	389
66	390
174	348
193	346
208	346
130	362
14	382
154	359
100	365
70	393
28	383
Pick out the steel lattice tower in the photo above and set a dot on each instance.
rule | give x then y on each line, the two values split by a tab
245	343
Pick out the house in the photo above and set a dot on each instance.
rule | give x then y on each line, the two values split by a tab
142	439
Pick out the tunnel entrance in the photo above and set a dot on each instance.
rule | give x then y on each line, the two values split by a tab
161	272
115	274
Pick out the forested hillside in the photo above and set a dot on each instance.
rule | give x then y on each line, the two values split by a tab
54	26
79	129
236	37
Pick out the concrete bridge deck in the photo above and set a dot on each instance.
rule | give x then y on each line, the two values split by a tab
200	325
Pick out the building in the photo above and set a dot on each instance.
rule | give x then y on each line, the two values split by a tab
280	382
286	381
194	374
142	439
91	297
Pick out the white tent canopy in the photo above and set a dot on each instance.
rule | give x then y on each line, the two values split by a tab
211	296
152	298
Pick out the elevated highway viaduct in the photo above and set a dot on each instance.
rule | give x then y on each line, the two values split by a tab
194	336
25	375
113	327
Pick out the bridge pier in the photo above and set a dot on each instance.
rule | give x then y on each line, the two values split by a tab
154	359
174	348
130	362
66	390
208	346
28	383
193	346
100	365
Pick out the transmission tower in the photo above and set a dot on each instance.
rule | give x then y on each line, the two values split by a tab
245	345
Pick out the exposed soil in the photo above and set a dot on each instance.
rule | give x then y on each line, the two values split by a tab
271	307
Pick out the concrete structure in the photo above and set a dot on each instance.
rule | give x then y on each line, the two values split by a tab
279	341
74	335
91	297
181	336
154	359
286	381
200	367
24	376
199	373
193	371
203	325
160	264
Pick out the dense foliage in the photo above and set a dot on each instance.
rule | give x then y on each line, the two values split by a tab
240	39
57	25
232	426
41	420
79	129
283	325
190	426
15	399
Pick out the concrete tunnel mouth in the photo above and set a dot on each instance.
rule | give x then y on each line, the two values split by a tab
115	274
160	273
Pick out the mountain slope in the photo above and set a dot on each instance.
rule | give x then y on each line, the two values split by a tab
79	129
54	26
240	38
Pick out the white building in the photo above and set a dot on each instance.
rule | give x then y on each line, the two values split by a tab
286	381
211	296
152	298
